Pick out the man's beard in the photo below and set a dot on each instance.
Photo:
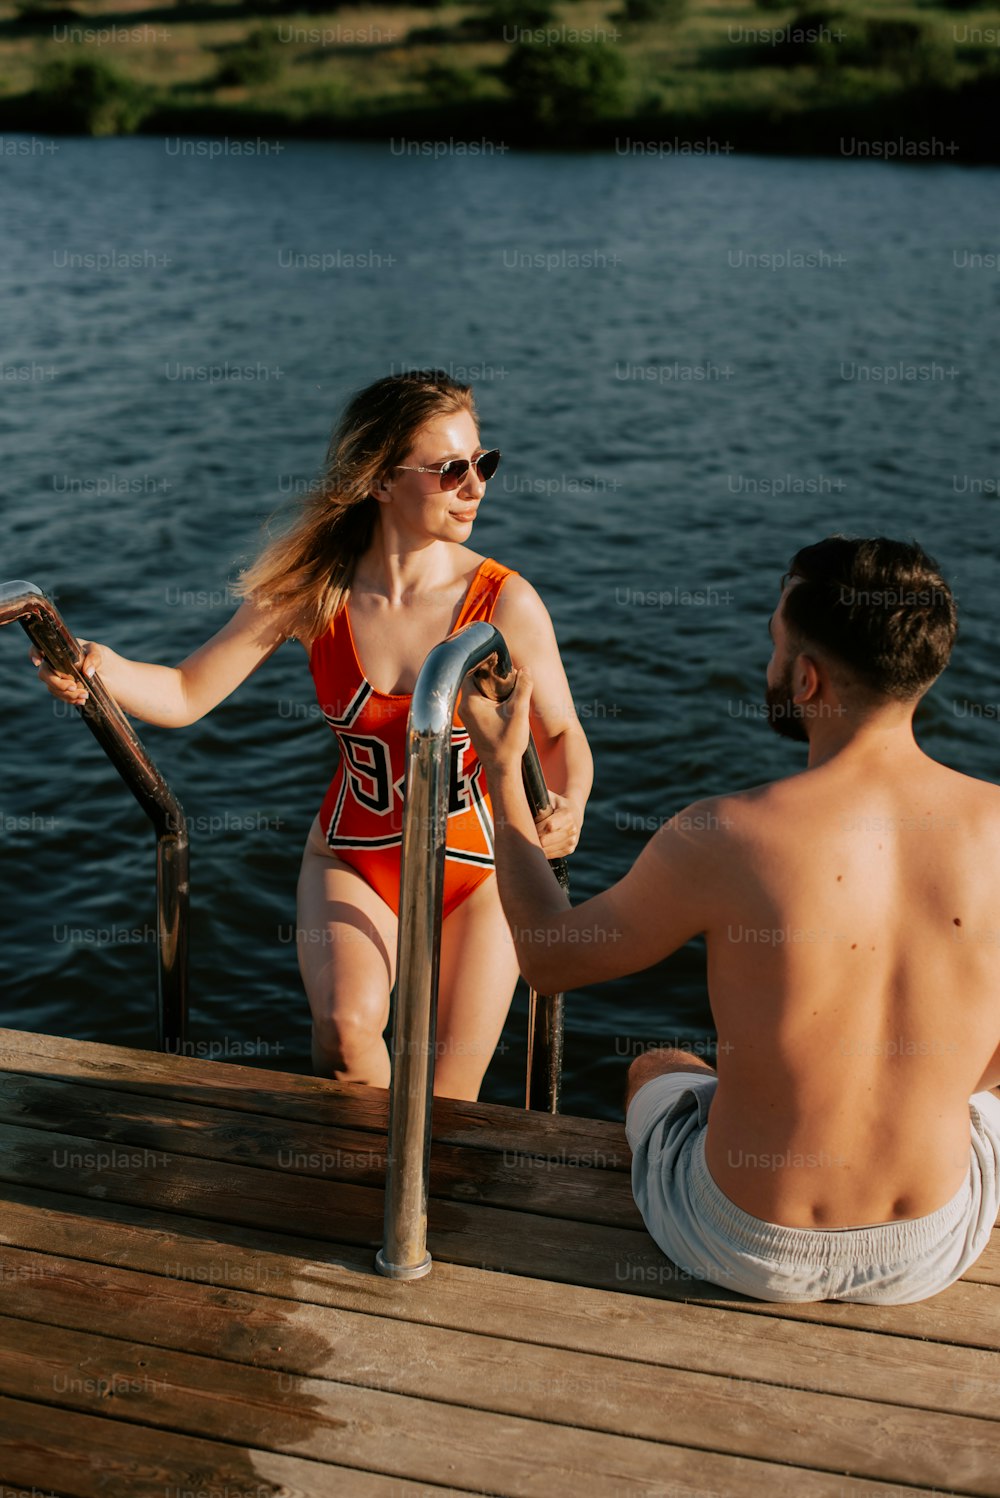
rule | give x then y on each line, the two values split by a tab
782	713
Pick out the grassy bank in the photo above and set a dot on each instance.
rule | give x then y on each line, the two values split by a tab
867	77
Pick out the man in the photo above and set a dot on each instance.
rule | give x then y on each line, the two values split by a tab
852	920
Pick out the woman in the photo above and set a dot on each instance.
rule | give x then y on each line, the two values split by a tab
374	574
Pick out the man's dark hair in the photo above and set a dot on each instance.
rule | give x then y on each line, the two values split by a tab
880	607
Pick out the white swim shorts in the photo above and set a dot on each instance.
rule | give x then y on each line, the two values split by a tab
708	1236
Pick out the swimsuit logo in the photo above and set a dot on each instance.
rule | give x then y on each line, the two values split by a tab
370	777
368	771
460	788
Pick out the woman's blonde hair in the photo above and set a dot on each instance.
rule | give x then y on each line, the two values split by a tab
306	573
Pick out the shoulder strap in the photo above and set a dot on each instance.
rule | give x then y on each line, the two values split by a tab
485	591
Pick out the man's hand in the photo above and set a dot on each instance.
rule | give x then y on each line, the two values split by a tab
499	730
499	733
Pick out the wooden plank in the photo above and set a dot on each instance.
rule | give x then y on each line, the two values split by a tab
483	1126
620	1397
483	1237
85	1456
511	1179
368	1428
561	1138
740	1342
8	1492
486	1126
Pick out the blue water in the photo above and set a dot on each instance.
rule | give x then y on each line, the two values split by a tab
675	419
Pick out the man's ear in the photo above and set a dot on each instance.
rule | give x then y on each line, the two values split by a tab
807	679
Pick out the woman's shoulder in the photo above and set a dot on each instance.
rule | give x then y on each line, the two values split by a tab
517	590
525	623
517	598
272	622
303	631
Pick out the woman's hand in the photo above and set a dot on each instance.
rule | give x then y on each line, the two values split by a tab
61	685
559	832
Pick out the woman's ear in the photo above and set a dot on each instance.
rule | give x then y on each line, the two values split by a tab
380	491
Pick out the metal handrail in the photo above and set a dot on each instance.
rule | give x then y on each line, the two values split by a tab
403	1254
43	624
543	1075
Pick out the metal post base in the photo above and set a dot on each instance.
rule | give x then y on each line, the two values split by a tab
401	1271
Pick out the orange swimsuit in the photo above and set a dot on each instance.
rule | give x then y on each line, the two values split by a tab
362	812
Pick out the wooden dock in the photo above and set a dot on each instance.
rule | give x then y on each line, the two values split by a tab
190	1310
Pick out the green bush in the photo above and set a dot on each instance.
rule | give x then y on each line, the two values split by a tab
655	10
915	51
446	84
85	96
496	20
963	4
816	36
526	15
564	85
46	13
257	59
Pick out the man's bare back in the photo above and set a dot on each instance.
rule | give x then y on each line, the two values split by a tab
854	976
851	913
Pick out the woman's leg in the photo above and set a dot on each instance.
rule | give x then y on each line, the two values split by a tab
476	984
346	937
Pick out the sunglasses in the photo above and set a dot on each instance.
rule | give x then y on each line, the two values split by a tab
454	470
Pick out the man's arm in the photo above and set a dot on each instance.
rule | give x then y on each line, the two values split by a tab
659	905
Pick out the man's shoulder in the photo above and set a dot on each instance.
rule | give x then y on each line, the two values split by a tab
945	796
971	785
734	811
709	827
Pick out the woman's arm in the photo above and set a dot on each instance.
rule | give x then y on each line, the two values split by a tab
175	696
523	620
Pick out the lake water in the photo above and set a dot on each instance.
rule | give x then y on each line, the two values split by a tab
693	366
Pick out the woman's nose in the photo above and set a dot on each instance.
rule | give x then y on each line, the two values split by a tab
472	485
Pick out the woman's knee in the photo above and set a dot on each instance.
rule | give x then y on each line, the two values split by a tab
347	1029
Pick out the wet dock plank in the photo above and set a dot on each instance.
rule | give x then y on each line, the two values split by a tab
189	1304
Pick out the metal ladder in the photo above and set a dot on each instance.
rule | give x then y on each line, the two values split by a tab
43	624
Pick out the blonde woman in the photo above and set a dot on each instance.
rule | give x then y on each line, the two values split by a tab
375	572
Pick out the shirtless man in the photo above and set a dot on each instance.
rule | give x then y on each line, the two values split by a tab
852	919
